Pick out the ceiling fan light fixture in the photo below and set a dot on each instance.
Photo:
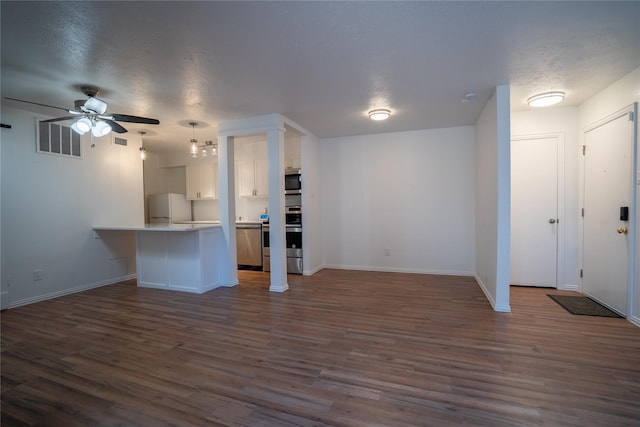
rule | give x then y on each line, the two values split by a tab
82	125
100	129
78	129
96	105
546	99
379	114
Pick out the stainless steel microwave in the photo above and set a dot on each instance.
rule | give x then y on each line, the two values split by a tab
292	181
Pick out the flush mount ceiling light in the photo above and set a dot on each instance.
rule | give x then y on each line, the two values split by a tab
545	99
469	97
379	114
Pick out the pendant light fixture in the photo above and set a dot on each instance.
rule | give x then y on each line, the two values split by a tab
204	150
194	141
212	147
143	151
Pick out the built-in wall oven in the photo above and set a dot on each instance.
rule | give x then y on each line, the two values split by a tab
294	248
293	215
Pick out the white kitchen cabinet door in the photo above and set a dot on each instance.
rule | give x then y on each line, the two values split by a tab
253	180
201	181
193	182
261	177
244	170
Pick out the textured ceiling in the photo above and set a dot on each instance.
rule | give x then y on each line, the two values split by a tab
321	64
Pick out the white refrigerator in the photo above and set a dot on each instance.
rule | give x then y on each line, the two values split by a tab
166	208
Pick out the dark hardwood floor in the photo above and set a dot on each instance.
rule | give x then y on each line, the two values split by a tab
340	348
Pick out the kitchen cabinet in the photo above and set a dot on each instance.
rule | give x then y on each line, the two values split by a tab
201	181
253	178
292	157
293	162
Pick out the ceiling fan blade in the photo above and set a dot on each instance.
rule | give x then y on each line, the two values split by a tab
134	119
115	126
36	103
59	119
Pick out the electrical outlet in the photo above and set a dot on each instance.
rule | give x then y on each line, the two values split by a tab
37	275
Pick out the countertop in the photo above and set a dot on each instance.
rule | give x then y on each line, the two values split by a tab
197	222
256	222
159	227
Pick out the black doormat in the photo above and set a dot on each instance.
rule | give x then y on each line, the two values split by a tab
584	306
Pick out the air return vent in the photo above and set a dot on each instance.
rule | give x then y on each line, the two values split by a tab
57	139
120	141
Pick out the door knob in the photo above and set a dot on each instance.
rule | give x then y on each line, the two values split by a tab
552	220
622	230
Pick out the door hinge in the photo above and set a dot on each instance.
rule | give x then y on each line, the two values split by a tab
584	149
582	213
580	272
631	116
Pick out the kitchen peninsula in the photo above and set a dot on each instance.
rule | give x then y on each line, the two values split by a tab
180	257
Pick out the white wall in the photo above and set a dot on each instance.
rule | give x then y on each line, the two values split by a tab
49	205
410	193
559	120
620	94
312	230
492	209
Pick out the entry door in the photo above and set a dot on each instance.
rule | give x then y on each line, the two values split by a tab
608	178
534	210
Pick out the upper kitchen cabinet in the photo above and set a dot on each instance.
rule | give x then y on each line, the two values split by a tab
292	157
201	181
253	178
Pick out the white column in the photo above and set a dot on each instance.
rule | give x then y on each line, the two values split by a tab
227	205
277	232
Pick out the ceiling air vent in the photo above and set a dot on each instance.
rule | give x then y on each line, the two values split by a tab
120	141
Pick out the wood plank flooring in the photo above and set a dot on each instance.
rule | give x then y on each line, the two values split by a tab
340	348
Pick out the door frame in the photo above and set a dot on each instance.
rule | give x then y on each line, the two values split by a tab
560	245
635	180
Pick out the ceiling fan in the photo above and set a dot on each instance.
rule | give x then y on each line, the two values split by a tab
90	115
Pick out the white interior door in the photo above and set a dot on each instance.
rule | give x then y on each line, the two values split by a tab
607	187
534	210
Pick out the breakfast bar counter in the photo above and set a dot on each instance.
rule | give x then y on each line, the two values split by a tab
180	257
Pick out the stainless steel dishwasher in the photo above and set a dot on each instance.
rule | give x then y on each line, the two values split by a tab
249	242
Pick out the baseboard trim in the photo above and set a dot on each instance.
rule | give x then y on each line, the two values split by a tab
635	320
70	291
399	270
313	271
487	294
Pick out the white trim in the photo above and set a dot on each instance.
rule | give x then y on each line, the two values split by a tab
399	270
635	320
313	271
610	117
279	288
70	291
500	309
